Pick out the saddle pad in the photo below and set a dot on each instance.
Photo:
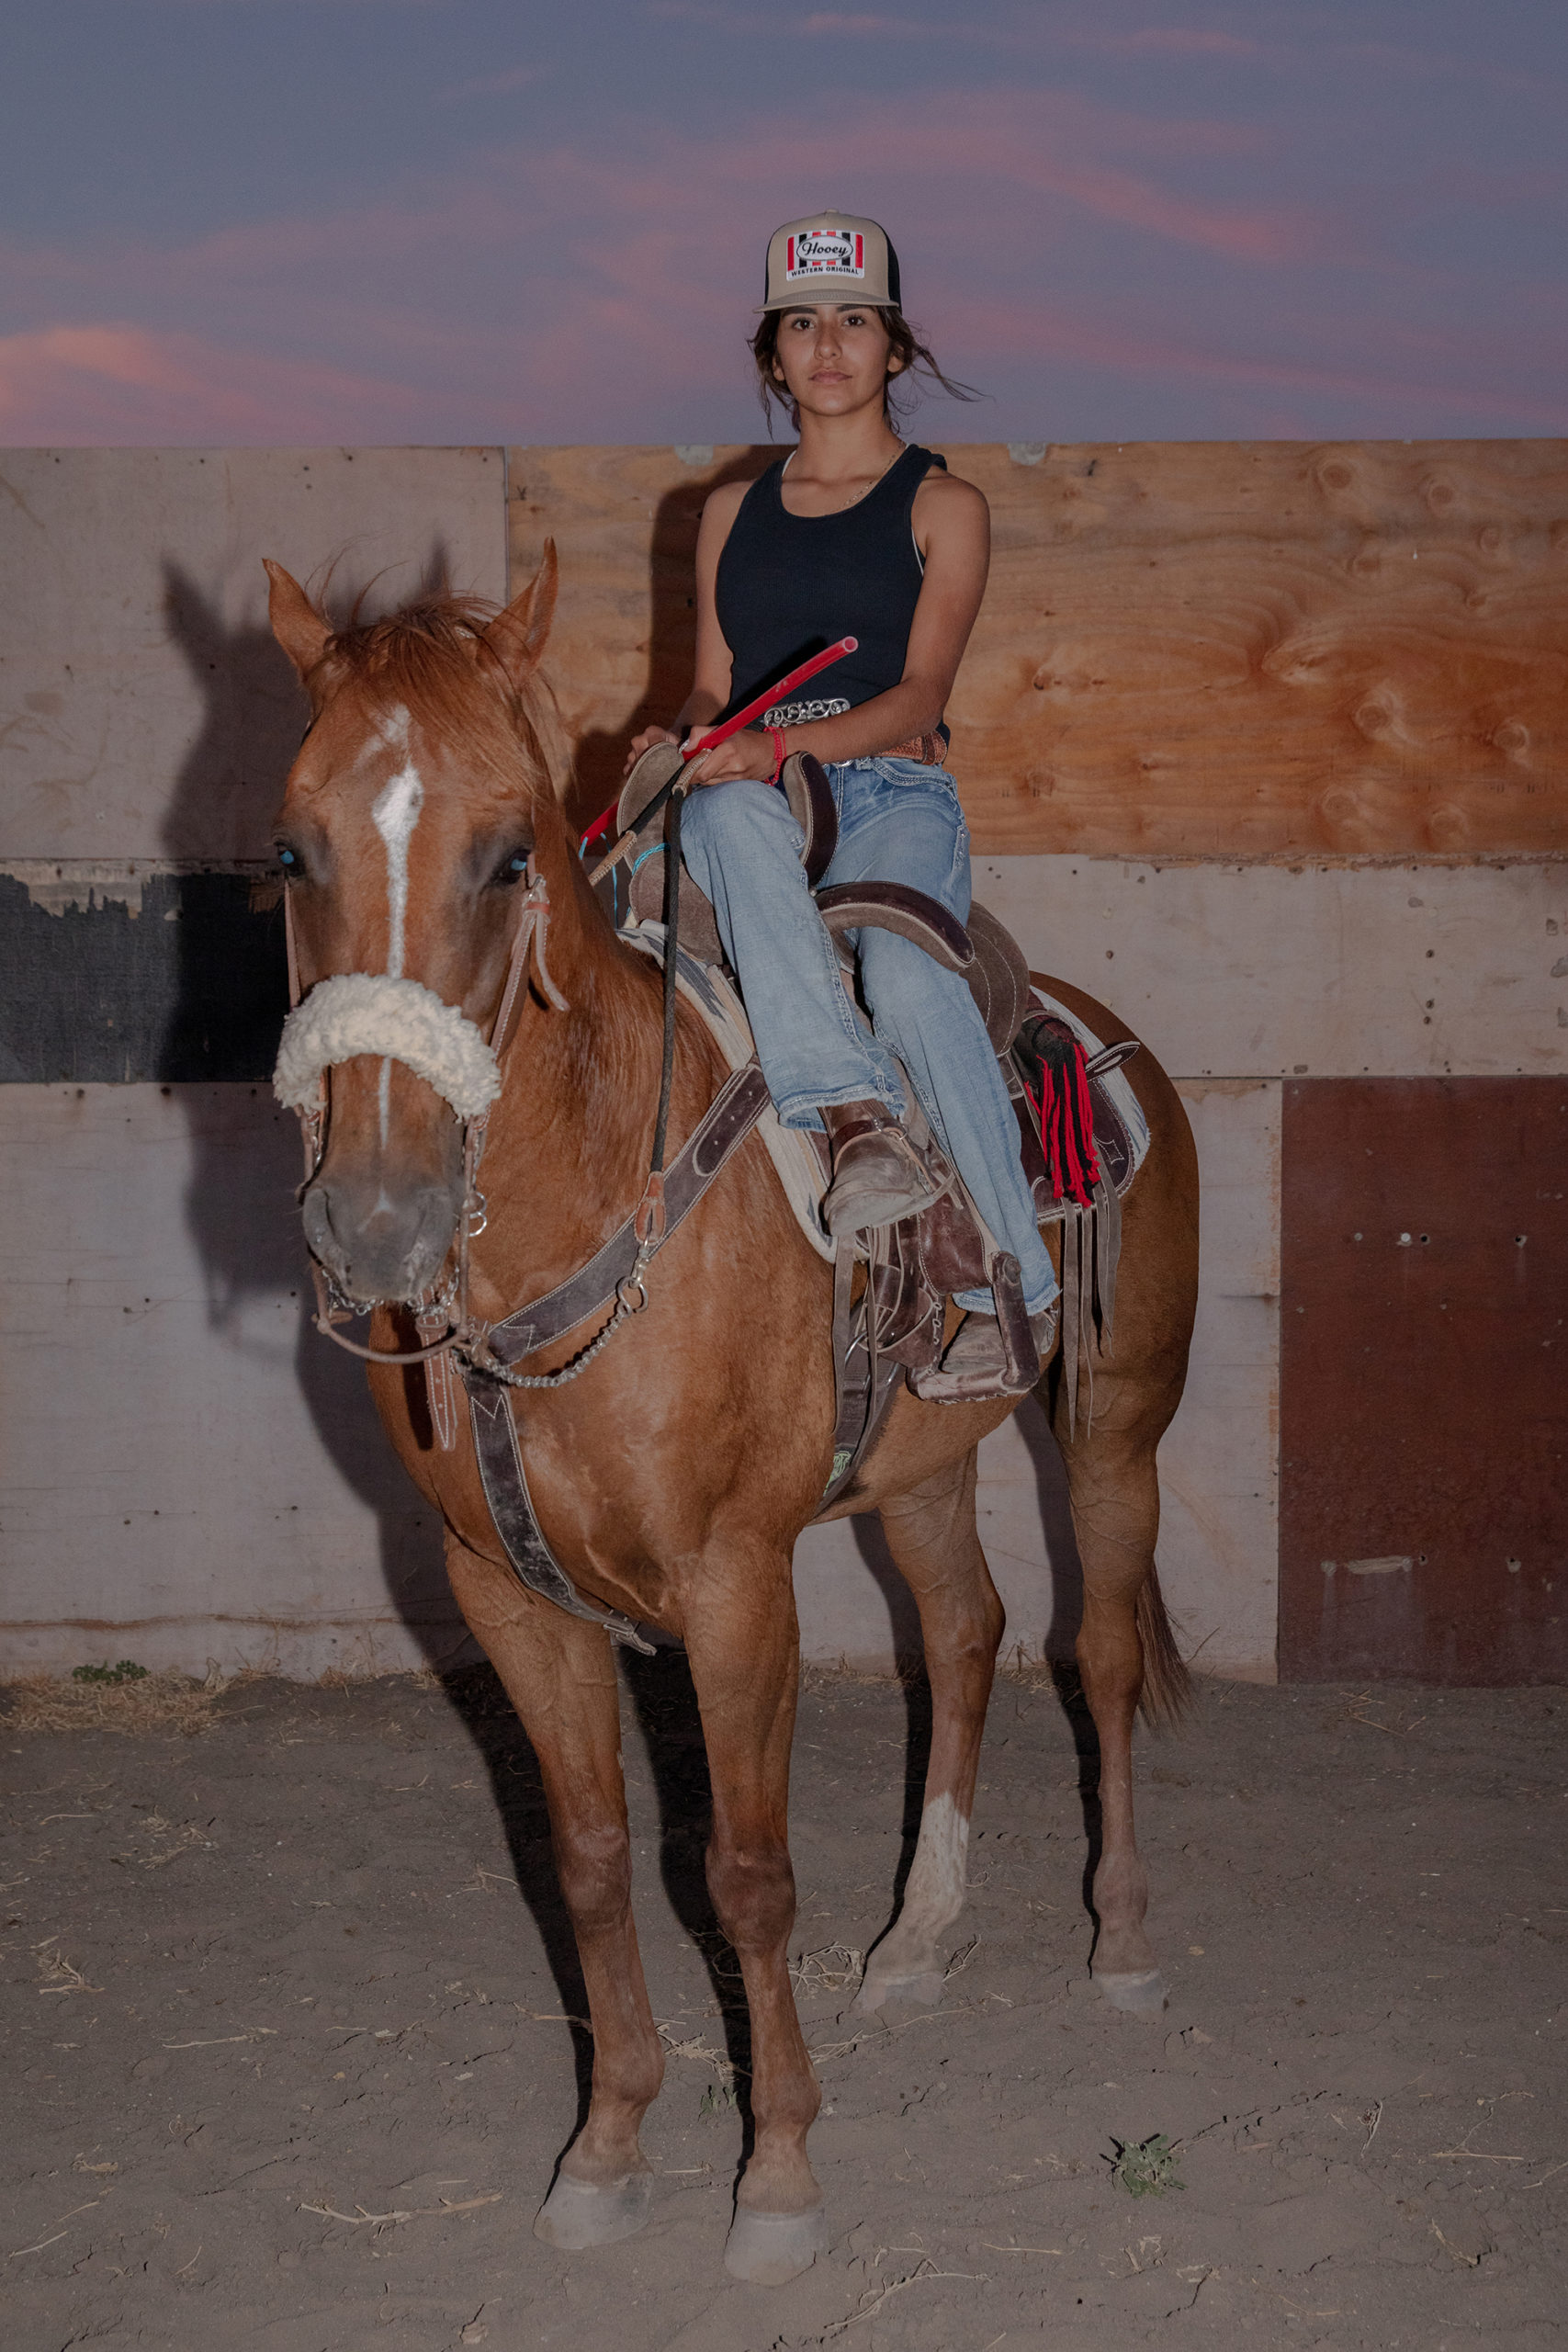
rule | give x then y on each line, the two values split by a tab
1115	1083
792	1151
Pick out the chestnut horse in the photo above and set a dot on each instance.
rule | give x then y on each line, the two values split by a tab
672	1480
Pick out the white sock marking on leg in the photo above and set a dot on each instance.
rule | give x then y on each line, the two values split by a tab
939	1875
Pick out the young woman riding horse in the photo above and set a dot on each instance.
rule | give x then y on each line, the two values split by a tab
853	534
422	843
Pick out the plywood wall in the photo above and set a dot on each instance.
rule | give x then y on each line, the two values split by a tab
1264	649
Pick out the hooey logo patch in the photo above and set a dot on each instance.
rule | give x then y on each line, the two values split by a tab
826	253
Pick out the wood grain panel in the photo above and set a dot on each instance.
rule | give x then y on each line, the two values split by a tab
1215	650
1423	1414
625	521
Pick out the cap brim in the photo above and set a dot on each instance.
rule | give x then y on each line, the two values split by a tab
827	292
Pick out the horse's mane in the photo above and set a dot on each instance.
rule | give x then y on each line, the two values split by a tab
430	657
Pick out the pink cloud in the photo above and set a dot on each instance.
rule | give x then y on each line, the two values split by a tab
1047	334
71	385
1041	144
1266	233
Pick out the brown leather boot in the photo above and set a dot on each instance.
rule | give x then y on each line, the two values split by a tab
878	1176
973	1369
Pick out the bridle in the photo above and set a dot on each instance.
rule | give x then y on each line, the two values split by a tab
529	940
463	1335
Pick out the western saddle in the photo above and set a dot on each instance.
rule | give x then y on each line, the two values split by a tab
892	1287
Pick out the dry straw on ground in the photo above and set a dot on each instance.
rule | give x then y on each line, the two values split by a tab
157	1702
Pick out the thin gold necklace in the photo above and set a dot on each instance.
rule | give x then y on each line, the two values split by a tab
856	499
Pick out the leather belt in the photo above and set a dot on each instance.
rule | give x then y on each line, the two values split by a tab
930	750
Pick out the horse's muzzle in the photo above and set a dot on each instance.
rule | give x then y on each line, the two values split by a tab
377	1248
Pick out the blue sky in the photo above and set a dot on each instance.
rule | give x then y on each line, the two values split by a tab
450	220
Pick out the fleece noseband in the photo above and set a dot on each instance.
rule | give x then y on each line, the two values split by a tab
396	1020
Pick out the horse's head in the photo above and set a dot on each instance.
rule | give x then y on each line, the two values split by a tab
418	797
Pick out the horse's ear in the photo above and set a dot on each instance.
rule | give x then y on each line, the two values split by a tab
517	636
299	628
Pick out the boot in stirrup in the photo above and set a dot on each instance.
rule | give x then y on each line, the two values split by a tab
878	1176
974	1368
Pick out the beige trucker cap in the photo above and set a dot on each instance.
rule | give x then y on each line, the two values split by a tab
832	257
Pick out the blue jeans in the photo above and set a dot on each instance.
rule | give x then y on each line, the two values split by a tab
899	821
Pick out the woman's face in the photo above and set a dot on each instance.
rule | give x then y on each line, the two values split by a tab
833	357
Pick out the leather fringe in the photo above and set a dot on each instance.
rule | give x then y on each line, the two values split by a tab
1091	1255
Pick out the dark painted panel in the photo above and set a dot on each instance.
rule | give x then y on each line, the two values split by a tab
193	985
1424	1404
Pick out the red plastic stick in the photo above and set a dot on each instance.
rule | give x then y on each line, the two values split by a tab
774	694
764	701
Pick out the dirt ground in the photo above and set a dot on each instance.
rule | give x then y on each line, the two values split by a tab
290	2050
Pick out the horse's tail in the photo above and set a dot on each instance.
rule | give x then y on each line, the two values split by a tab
1167	1686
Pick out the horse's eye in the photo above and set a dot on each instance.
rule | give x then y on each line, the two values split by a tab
289	860
512	869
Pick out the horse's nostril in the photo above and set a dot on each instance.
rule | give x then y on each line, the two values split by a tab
375	1246
317	1218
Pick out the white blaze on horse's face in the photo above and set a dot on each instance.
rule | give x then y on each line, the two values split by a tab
395	813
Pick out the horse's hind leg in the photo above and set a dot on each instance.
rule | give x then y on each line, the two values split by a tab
1115	1502
559	1674
932	1534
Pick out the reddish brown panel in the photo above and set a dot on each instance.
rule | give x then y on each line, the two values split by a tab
1423	1408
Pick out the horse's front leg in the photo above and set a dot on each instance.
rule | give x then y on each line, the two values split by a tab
559	1674
744	1650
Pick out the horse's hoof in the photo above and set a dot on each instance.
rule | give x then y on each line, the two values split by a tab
1140	1992
576	2213
906	1995
769	2249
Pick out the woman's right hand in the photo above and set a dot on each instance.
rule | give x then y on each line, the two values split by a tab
645	743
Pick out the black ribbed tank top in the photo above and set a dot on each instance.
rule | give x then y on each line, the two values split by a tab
789	584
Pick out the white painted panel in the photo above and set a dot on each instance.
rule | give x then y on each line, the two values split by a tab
189	1473
144	709
1327	971
1218	1474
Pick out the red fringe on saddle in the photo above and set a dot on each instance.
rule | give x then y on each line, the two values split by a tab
1066	1126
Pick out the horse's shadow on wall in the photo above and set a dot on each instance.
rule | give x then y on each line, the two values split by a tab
245	1153
600	754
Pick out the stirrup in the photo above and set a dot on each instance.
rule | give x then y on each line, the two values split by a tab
979	1367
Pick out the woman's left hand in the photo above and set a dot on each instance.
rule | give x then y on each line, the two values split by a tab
749	756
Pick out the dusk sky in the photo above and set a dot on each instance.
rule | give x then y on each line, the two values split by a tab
454	220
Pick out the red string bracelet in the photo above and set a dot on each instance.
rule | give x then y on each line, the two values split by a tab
779	752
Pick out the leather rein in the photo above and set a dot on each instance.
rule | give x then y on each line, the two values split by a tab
467	1336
